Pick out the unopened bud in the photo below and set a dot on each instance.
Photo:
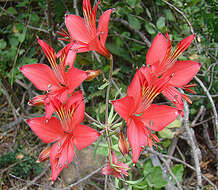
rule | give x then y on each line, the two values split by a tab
37	100
92	74
186	98
123	145
156	139
20	156
44	155
150	143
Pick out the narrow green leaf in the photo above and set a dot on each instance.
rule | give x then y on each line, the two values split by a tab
3	44
150	28
103	86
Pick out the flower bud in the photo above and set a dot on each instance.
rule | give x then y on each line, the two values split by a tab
123	145
156	139
20	156
92	74
44	155
37	100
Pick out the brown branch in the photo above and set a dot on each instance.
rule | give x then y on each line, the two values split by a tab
131	28
49	21
186	19
195	149
211	102
75	7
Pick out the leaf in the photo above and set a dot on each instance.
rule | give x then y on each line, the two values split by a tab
134	182
22	4
3	44
148	13
150	28
160	22
12	10
147	168
134	21
21	36
169	15
13	41
103	86
166	134
175	124
178	171
119	51
155	178
131	3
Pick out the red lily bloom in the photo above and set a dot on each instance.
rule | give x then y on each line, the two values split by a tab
55	81
83	34
164	63
66	132
117	168
141	116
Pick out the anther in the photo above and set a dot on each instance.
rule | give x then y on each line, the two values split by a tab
151	123
59	144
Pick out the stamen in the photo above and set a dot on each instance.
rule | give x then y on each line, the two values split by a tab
151	123
186	98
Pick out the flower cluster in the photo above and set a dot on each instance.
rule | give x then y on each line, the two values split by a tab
162	74
59	83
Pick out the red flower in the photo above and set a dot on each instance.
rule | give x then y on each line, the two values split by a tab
66	132
117	168
83	34
141	116
164	63
55	81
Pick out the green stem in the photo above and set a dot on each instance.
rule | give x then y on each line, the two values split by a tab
108	89
106	111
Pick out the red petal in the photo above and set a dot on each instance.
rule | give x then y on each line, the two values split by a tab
49	109
182	46
107	170
183	72
47	130
79	107
77	28
49	52
137	138
156	117
103	25
96	45
84	136
124	106
62	153
40	75
74	78
174	96
71	56
134	89
157	51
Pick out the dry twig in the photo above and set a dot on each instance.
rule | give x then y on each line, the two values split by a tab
195	150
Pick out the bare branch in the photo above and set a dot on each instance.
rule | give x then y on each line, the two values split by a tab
195	149
130	27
